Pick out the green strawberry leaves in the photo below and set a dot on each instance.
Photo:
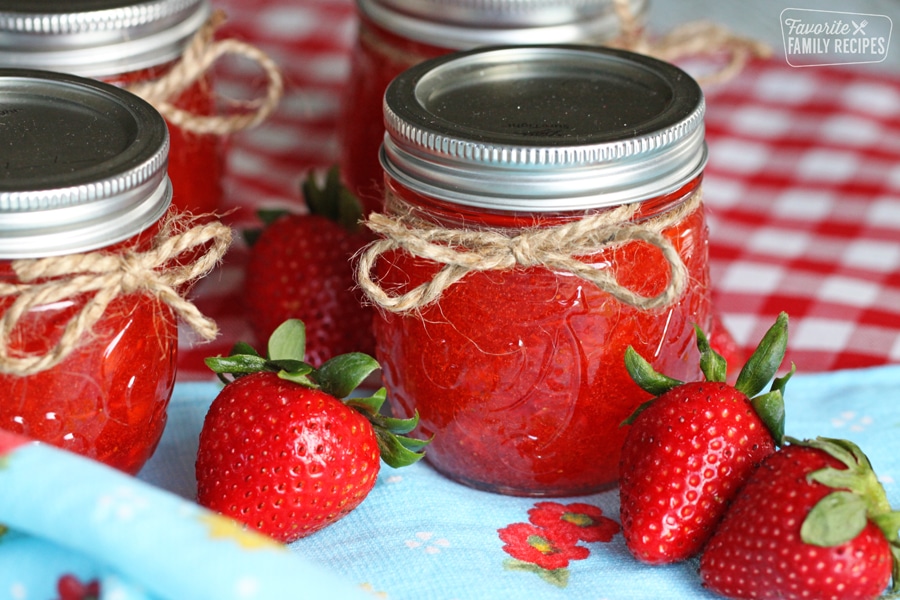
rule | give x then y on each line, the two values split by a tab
757	372
645	376
338	377
342	374
712	364
835	519
762	365
332	200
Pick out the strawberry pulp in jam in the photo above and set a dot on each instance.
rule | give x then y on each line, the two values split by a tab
108	399
519	375
515	363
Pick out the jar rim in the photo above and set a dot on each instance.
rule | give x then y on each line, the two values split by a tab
96	38
84	166
466	24
544	128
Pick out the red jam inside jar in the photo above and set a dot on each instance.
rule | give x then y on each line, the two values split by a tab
108	399
103	190
393	35
127	43
518	372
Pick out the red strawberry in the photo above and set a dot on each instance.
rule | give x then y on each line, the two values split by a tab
811	522
690	448
300	267
281	452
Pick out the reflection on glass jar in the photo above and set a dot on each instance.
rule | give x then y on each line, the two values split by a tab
393	35
87	350
544	212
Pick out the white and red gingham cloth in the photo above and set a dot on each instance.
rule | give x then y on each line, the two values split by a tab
802	186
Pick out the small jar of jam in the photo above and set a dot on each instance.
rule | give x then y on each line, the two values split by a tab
393	35
543	213
125	42
86	363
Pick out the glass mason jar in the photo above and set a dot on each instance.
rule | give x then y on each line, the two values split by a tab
543	213
125	42
393	35
82	177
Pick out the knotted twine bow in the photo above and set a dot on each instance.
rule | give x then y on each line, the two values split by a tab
695	38
107	275
556	248
198	57
692	39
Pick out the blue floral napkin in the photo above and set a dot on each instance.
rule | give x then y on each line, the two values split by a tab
78	528
417	535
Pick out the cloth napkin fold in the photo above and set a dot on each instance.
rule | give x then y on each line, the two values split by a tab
417	535
420	535
70	517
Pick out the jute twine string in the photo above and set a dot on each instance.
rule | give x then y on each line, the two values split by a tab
693	39
104	276
557	248
696	38
198	58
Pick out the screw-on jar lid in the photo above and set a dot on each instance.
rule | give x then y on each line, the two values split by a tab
543	128
82	164
465	24
96	38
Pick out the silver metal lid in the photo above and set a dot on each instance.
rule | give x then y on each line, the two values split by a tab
466	24
96	38
82	164
543	128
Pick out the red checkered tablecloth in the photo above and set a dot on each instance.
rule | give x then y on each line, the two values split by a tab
802	186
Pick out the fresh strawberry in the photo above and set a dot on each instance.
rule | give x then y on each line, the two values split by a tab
691	447
300	267
812	522
281	452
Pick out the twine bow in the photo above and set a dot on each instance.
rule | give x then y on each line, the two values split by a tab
104	276
692	39
556	248
695	38
198	58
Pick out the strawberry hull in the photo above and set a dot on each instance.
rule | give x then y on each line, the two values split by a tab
757	550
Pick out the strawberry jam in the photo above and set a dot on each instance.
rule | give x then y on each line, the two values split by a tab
83	180
126	43
393	35
502	185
